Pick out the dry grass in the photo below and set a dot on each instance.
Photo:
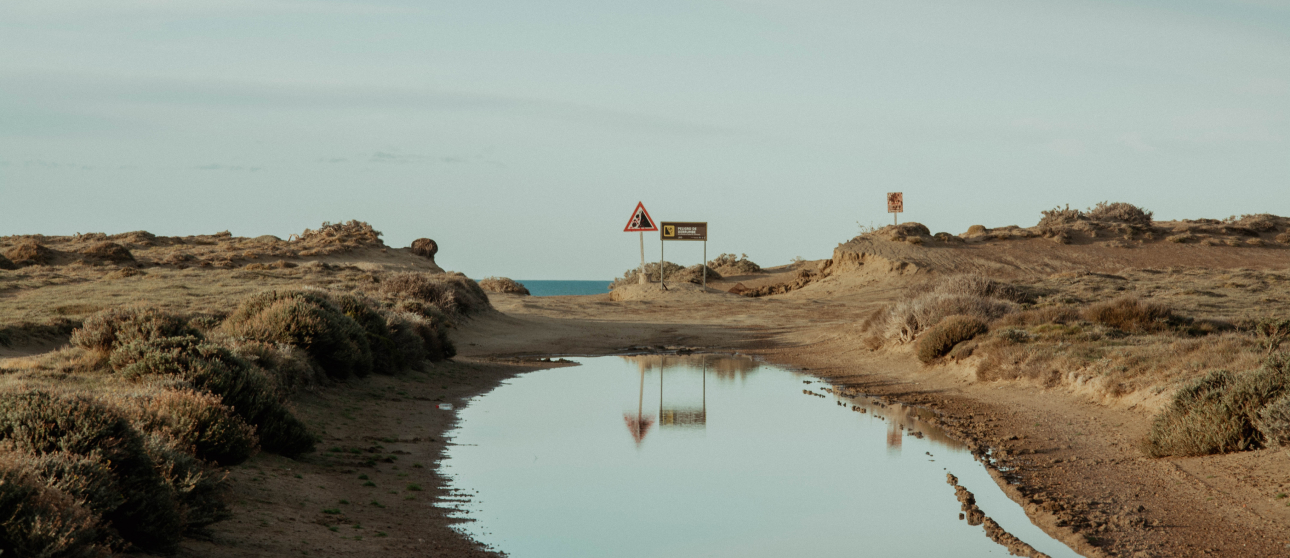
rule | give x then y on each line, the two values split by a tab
942	337
30	253
729	264
425	247
503	285
632	276
1217	413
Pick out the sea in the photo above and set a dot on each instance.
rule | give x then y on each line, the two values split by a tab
548	287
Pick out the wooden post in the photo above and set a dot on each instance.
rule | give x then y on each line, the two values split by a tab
705	266
662	247
643	278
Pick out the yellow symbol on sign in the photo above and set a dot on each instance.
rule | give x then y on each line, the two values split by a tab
669	230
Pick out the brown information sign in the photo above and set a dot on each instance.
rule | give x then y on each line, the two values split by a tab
895	202
684	231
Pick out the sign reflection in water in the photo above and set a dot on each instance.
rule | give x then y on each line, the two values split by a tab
765	474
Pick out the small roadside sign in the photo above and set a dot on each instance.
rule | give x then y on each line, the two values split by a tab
684	231
640	221
895	202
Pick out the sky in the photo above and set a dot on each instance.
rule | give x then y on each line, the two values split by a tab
520	135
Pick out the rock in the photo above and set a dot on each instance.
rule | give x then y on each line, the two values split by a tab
425	247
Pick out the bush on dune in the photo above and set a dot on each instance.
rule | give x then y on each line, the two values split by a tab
1274	422
452	293
941	338
249	391
1131	314
199	423
42	522
38	423
198	488
307	319
109	329
1218	413
377	331
503	285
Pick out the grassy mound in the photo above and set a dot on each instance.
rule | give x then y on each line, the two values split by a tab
451	293
6	263
30	253
942	337
307	319
109	251
249	391
503	285
1217	413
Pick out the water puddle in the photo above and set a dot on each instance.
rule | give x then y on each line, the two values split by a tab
704	455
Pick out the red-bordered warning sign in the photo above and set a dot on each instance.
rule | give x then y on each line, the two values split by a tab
640	221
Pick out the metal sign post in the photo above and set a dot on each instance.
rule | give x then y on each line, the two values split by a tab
895	206
687	231
641	222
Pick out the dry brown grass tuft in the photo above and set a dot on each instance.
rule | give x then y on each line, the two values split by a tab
503	285
30	253
1131	314
1120	212
109	251
339	237
729	264
942	337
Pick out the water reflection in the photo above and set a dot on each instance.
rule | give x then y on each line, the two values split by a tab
746	467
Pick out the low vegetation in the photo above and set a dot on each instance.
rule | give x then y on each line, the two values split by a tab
117	441
729	264
1232	371
503	285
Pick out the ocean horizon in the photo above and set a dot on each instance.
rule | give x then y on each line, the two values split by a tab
560	287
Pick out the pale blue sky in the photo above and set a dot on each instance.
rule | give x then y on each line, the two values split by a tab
520	135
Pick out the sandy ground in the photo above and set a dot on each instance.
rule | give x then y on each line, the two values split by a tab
1074	463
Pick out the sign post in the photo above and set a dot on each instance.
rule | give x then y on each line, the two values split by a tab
895	205
686	231
641	222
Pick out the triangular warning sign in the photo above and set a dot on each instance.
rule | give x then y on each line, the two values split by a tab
640	221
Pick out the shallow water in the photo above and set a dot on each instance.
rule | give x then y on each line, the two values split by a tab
561	288
711	456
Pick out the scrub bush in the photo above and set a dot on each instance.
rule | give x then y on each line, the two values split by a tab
452	293
37	423
41	522
503	285
30	253
1131	314
288	364
309	320
198	488
109	251
115	327
198	423
378	333
248	391
1217	413
1274	422
1120	211
941	338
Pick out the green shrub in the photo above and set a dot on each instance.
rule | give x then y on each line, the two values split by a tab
1132	315
111	328
199	489
1217	413
309	320
197	422
289	365
941	338
41	522
249	391
452	293
38	423
1274	422
378	333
